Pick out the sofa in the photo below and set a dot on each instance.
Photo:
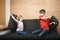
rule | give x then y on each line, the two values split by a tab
29	26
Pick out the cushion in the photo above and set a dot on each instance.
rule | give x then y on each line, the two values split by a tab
12	25
53	27
31	25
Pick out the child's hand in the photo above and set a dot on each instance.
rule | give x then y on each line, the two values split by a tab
11	11
50	23
50	17
53	22
11	14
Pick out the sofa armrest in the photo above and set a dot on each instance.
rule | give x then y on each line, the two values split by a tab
3	27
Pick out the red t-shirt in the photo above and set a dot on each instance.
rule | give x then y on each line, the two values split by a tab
44	23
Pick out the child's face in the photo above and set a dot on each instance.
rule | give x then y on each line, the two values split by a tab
19	17
42	14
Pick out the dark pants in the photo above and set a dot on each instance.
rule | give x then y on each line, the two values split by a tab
40	32
21	32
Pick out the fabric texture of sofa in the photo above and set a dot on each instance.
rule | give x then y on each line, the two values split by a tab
29	26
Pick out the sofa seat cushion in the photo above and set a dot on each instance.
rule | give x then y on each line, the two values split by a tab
29	36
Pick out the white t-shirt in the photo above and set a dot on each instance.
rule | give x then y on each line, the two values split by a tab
20	26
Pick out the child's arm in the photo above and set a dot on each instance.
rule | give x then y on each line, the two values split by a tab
43	18
52	23
14	18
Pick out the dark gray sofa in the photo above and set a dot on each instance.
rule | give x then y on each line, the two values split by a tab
29	26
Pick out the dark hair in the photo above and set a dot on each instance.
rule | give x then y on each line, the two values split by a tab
42	11
20	15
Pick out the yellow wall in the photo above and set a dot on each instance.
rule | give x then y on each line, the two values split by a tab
29	9
2	12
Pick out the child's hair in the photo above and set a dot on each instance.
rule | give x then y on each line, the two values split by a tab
42	11
20	15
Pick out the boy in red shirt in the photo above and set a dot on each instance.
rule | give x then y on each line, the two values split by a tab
44	22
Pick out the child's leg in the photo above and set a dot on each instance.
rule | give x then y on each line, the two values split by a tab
21	32
43	32
36	31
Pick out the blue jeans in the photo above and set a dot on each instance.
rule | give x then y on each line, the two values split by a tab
41	32
21	32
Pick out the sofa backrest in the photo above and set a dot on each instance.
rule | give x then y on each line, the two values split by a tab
31	24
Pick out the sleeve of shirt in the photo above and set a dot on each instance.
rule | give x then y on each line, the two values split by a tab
39	17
